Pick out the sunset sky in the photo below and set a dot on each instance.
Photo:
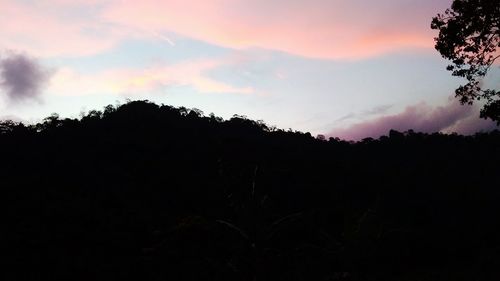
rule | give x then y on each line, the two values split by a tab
346	68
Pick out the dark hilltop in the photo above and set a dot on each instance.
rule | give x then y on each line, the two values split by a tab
153	192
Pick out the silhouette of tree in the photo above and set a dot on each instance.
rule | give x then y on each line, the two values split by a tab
469	36
146	192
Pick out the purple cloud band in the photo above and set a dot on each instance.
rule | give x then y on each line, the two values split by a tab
452	117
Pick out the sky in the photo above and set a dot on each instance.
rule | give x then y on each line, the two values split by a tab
342	68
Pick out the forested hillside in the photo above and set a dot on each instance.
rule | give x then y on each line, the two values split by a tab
148	192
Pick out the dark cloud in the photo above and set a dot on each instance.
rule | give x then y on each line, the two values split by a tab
374	111
378	110
452	117
347	117
21	77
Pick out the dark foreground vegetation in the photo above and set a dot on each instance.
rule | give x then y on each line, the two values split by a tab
148	192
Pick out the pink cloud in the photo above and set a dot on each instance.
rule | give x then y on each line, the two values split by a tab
145	80
320	28
51	28
452	117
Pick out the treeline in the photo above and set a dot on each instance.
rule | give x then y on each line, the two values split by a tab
148	192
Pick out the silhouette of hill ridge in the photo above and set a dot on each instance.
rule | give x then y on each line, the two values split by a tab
152	192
